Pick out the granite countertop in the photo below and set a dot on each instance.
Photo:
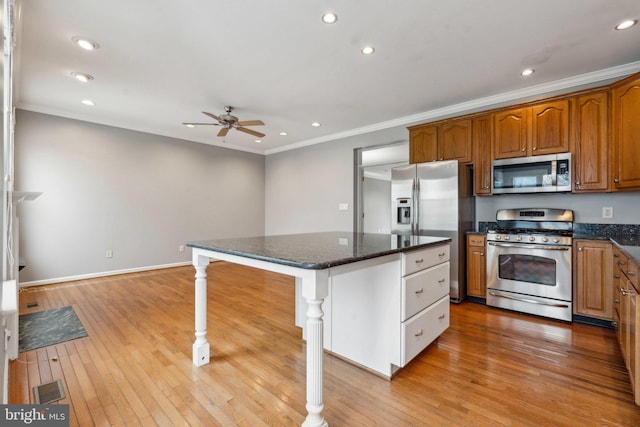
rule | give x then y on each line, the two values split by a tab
318	250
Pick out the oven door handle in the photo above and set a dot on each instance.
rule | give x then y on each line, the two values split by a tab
531	246
528	300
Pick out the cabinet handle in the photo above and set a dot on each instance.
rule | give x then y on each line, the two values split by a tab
441	254
420	261
616	301
622	263
616	255
441	281
631	273
615	276
614	324
441	317
419	291
623	292
419	333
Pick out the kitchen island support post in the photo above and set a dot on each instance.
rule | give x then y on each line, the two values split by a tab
315	288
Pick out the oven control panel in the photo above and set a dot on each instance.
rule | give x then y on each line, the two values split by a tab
537	238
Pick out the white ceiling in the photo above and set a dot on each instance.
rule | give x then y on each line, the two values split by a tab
162	62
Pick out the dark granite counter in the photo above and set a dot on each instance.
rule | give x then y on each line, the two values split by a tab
318	250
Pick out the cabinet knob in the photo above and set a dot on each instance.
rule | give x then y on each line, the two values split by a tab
616	301
631	273
614	324
523	149
419	333
579	249
420	261
534	148
481	253
616	180
419	291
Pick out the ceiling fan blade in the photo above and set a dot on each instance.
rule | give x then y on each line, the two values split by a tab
251	123
213	116
223	132
250	132
202	124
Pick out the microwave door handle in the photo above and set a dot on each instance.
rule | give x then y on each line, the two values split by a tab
554	172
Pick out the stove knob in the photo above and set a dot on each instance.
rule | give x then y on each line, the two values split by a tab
498	237
507	237
556	240
545	239
531	238
519	238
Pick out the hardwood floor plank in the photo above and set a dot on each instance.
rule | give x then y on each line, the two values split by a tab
490	368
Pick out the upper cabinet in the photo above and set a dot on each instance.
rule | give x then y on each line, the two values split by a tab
449	140
590	142
482	143
625	121
537	130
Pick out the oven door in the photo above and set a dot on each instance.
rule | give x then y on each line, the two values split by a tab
530	269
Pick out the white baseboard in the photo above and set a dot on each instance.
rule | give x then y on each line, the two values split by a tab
100	274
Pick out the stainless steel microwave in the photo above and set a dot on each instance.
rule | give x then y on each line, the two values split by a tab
535	174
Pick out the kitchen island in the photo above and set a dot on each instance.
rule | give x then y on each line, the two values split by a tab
317	260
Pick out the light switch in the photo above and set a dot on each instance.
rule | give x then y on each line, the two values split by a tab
343	206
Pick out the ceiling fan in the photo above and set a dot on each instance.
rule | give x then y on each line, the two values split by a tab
227	121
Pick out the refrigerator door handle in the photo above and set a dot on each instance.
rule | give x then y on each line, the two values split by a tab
415	197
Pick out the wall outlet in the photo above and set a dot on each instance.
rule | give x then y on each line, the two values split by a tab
109	253
607	212
343	206
181	248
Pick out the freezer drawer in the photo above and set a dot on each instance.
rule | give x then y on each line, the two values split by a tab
422	329
424	288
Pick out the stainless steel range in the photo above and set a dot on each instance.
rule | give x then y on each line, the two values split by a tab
529	262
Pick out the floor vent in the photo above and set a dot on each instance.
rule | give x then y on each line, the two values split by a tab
32	304
47	393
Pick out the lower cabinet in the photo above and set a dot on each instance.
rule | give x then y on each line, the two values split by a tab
382	316
626	282
476	266
593	293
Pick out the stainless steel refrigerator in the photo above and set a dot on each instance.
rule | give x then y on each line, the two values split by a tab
436	199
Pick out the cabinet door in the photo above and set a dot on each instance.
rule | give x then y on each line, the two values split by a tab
482	144
476	266
510	133
593	271
423	144
634	351
590	142
454	141
625	102
550	128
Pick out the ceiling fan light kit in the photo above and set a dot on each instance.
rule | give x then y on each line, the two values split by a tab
228	121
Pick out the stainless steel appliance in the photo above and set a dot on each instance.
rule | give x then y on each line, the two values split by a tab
536	174
436	199
529	262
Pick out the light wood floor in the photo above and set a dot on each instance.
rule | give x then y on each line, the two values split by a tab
491	367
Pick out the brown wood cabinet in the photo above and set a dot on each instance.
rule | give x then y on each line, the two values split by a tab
476	266
625	119
482	149
530	131
449	140
593	270
590	142
626	277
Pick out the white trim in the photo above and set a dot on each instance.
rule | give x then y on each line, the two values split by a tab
601	76
101	274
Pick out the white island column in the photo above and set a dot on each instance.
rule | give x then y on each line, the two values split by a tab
200	351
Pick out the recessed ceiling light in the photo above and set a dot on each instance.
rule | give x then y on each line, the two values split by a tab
257	140
283	133
527	72
316	124
85	43
88	102
367	50
189	125
329	18
626	24
83	77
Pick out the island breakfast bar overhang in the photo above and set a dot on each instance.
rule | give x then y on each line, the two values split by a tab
310	257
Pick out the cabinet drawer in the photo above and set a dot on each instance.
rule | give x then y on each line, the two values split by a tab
423	288
476	240
423	329
419	260
632	273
